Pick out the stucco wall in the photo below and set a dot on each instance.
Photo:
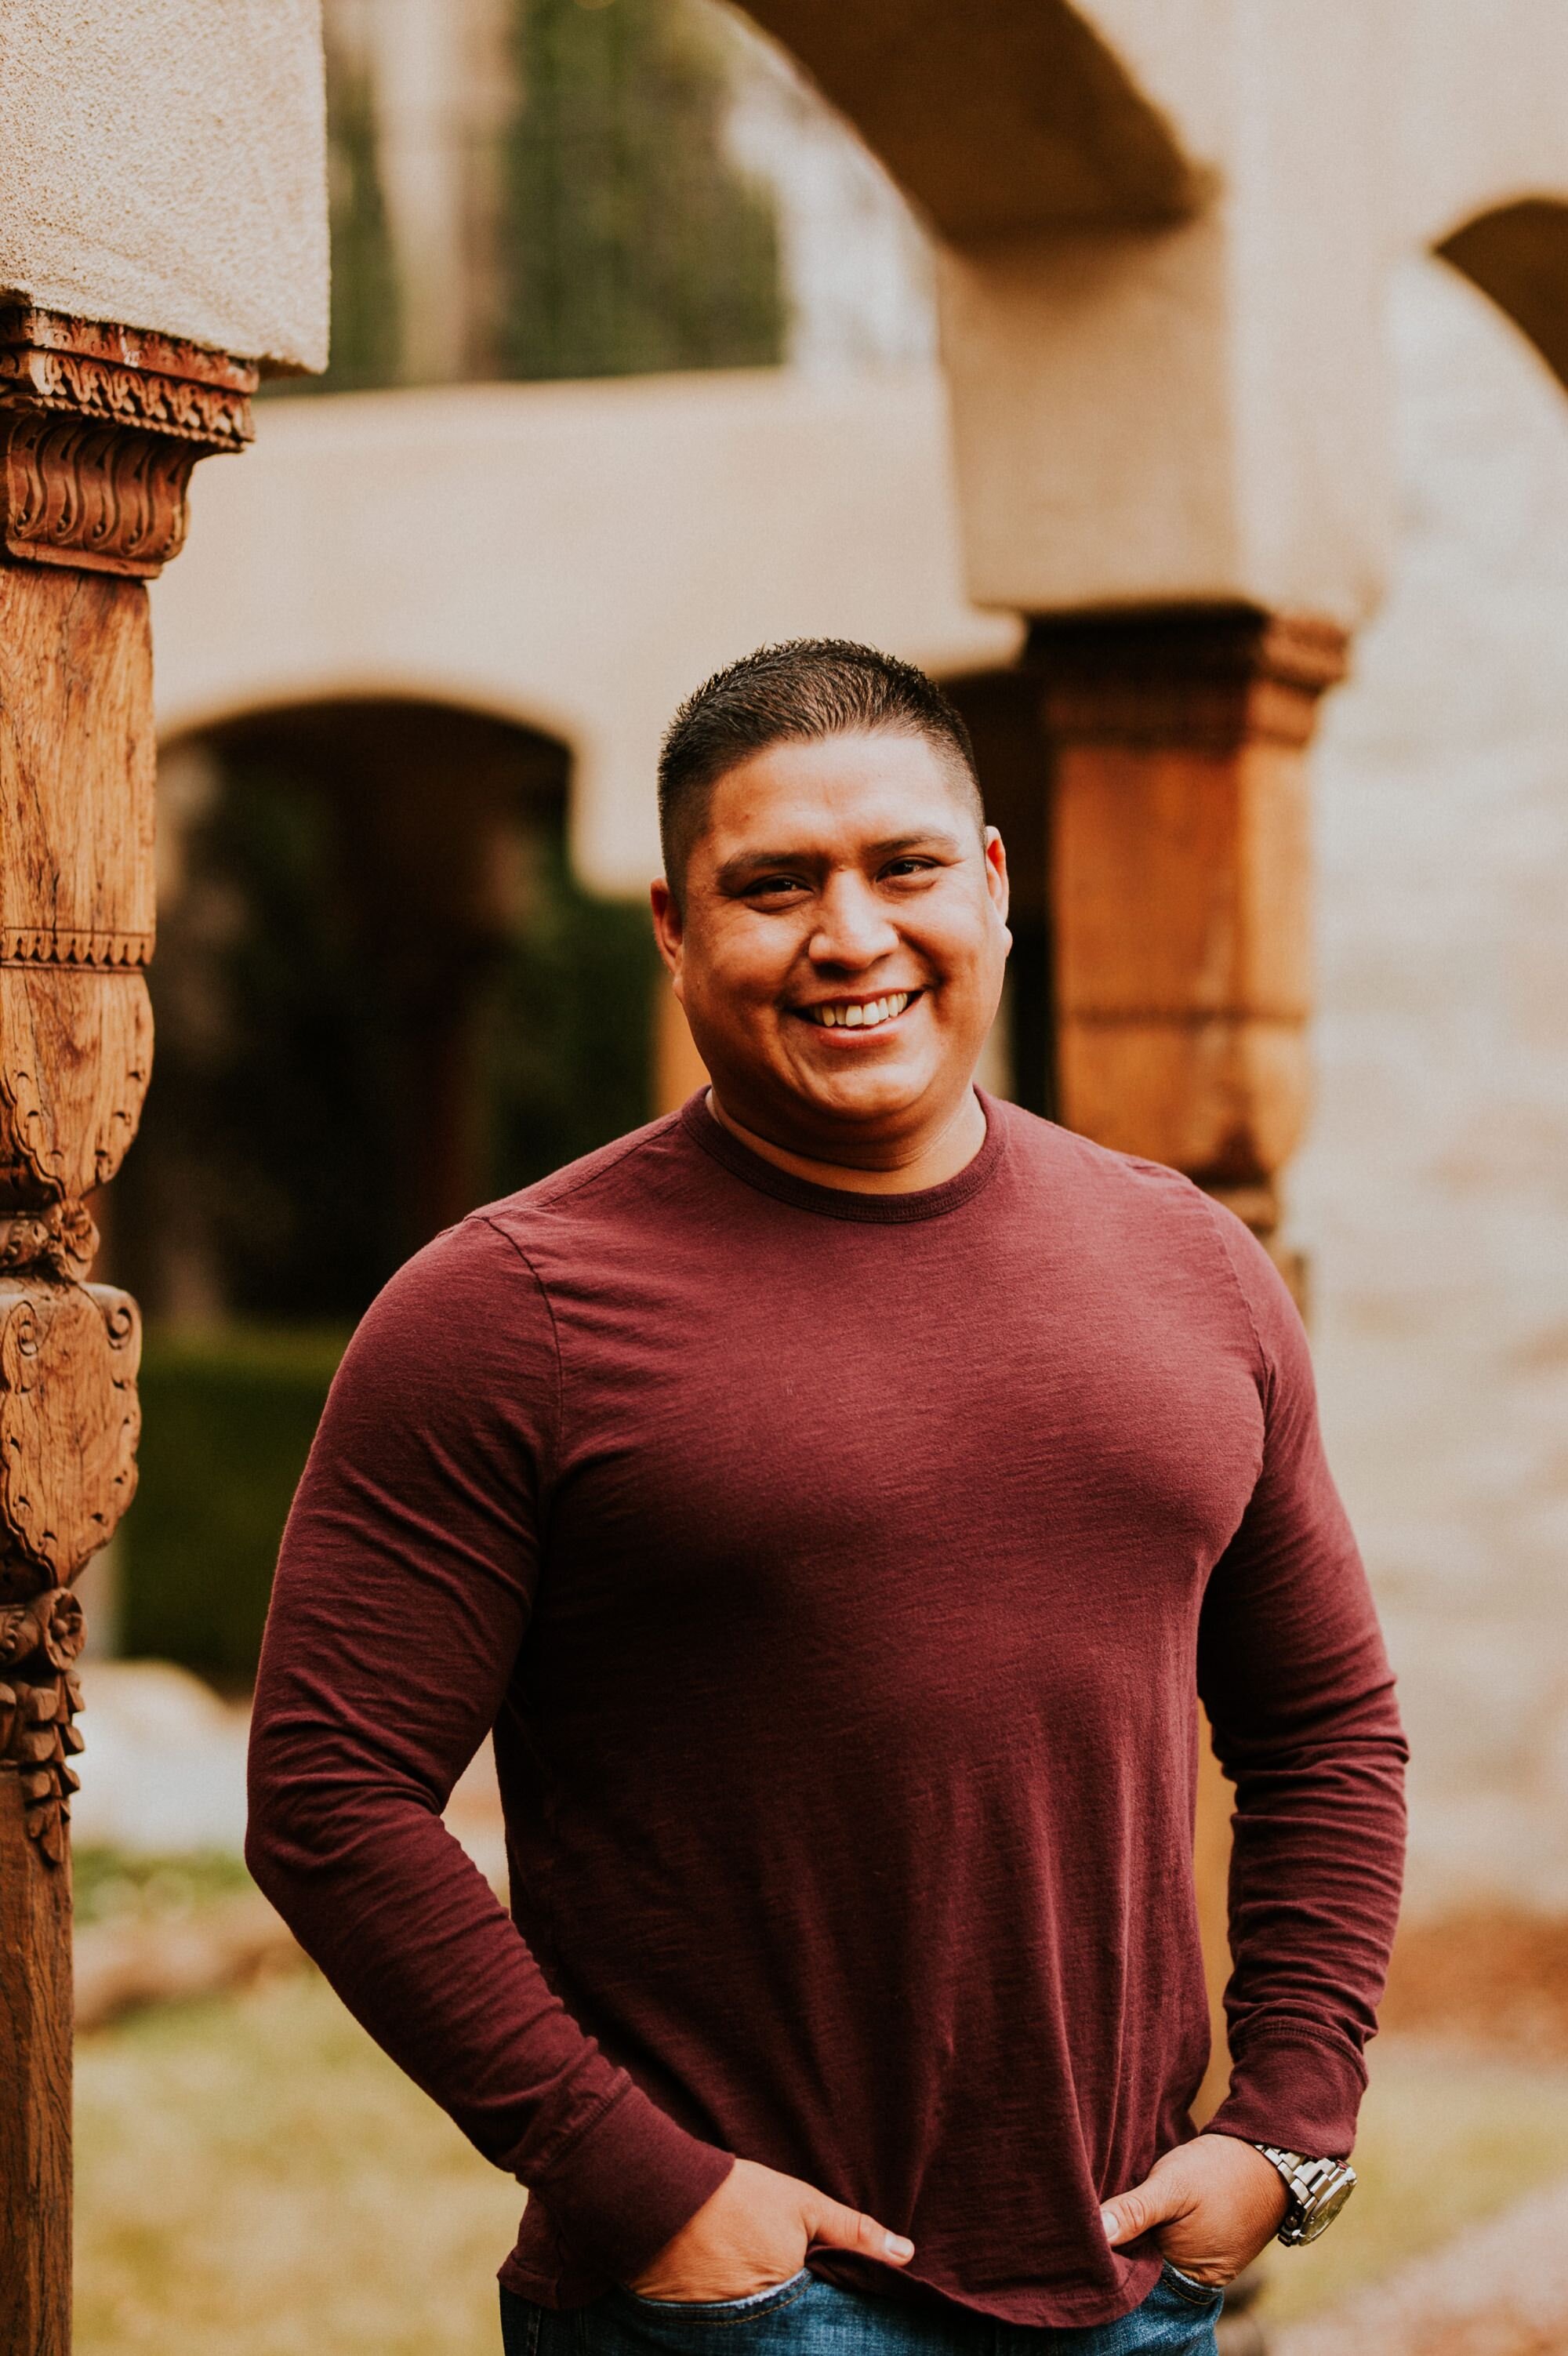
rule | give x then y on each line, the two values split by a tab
162	163
1196	410
1434	1192
577	557
1480	118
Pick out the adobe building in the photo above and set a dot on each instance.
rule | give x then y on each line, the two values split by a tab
1248	387
1144	517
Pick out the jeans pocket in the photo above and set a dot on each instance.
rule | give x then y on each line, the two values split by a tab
1189	2288
521	2325
725	2310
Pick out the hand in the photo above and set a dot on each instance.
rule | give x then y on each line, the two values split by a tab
1211	2205
755	2231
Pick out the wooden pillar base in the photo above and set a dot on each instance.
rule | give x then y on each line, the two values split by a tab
35	2086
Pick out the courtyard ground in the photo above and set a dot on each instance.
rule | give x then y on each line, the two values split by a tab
256	2179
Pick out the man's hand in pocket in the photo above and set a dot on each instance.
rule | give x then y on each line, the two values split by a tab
1210	2207
755	2231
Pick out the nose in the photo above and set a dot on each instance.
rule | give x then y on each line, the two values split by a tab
852	930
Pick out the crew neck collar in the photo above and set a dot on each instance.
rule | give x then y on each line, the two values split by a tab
839	1201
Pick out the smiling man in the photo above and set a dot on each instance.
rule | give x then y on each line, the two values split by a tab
838	1496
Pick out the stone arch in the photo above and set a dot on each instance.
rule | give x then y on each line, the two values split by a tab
997	119
1516	253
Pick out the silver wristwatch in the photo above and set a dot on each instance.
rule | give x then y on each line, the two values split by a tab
1318	2189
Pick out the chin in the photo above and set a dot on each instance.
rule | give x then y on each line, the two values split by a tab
869	1096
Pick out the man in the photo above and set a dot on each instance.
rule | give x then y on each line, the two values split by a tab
837	1496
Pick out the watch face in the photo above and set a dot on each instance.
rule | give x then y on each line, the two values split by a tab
1324	2212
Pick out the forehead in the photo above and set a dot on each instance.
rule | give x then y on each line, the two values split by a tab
866	785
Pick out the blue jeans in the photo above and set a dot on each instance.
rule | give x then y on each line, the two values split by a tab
807	2316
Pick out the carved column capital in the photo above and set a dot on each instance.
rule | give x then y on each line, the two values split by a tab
99	428
1204	678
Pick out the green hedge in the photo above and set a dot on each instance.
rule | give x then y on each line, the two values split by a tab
227	1422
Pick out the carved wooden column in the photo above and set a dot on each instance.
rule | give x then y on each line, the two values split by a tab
1181	884
99	428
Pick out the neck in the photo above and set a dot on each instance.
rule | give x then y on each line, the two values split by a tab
930	1162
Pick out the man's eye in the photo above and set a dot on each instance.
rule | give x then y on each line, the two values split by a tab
899	868
771	886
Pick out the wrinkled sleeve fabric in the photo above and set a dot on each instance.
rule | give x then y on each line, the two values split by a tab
400	1602
1297	1684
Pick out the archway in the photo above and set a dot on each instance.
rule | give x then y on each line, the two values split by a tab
1518	254
383	998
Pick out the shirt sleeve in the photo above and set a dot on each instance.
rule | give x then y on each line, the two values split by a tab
1294	1676
401	1601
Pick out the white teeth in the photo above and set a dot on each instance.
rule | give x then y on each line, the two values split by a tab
862	1015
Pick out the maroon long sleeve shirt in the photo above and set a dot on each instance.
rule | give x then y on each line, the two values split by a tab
839	1574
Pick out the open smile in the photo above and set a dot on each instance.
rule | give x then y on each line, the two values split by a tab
859	1013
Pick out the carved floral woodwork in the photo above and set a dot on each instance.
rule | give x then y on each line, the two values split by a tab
100	429
39	1698
49	1624
39	1737
58	1240
69	1424
77	767
76	1054
68	1427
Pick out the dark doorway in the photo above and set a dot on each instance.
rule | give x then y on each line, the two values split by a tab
383	997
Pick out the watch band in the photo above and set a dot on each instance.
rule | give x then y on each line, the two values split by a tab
1318	2189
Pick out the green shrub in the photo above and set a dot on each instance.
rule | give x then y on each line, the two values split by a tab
227	1422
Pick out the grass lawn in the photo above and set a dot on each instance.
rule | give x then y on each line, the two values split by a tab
255	2179
1446	2138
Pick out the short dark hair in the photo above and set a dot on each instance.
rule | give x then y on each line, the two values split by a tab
802	691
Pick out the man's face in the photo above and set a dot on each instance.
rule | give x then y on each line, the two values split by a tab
841	944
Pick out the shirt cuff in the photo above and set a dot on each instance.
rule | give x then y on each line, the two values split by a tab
628	2184
1297	2089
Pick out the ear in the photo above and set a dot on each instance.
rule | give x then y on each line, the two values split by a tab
669	928
996	881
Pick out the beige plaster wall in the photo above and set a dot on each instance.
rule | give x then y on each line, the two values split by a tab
1195	410
578	555
1432	1194
1481	113
162	163
1198	409
575	556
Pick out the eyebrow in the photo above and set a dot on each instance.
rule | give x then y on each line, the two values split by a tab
751	864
